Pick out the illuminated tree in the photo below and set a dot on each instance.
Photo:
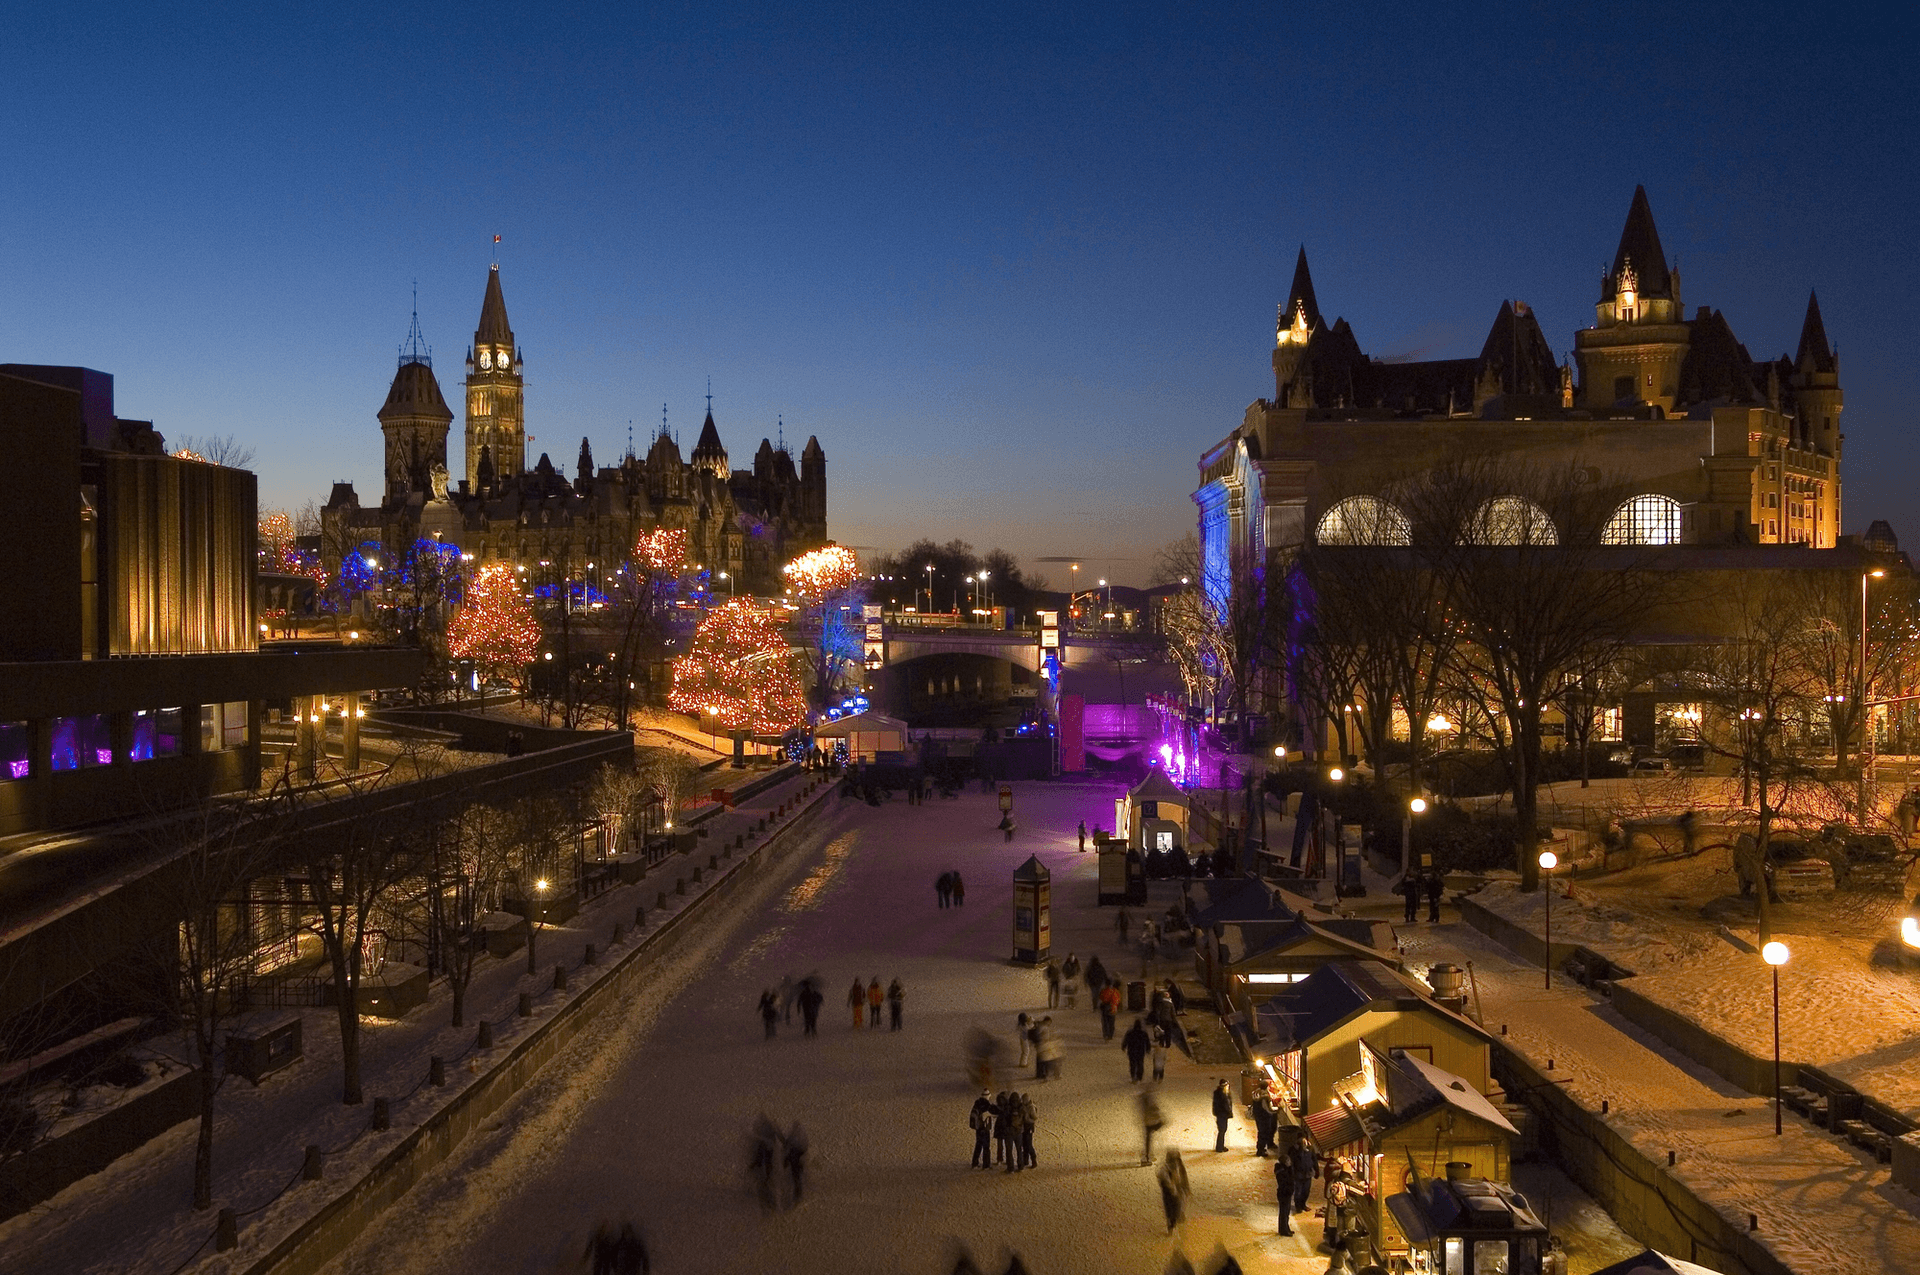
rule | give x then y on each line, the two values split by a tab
739	673
647	582
825	584
494	626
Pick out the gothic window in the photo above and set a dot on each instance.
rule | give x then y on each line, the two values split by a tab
1511	520
1643	520
1364	520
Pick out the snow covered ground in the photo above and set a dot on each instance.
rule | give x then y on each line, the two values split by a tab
1822	1205
647	1118
133	1216
1846	1004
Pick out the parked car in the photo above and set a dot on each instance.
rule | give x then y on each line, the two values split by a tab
1691	757
1795	868
1653	766
1872	862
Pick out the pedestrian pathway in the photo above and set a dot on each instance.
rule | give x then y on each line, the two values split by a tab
1821	1205
260	1132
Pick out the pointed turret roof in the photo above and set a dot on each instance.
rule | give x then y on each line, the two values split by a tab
1813	341
709	444
1640	244
1302	290
812	448
493	329
415	392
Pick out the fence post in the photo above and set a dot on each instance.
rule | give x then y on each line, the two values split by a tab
436	1070
226	1232
382	1115
311	1167
559	978
526	1004
485	1039
590	958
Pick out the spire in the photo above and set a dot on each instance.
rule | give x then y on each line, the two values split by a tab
1301	294
416	350
1640	252
1813	341
493	329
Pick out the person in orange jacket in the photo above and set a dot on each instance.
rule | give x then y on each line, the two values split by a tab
857	1000
875	998
1109	1008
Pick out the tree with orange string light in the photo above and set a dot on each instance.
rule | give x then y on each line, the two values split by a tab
825	584
495	626
739	672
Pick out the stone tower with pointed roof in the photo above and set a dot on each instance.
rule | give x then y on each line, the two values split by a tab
1634	351
1815	381
415	420
709	454
496	417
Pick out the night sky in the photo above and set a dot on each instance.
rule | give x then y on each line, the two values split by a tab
1015	267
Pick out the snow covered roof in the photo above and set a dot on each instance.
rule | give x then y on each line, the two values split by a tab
1427	1085
1157	787
1340	989
1259	940
1246	900
868	723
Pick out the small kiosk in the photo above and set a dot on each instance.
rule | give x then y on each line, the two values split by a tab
1153	814
1032	912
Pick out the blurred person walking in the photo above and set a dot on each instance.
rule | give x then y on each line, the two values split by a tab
796	1161
1053	984
857	1001
959	891
1070	980
810	1001
1151	1121
874	998
1051	1049
769	1011
1284	1187
1162	1041
1174	1188
896	1001
1135	1045
1023	1030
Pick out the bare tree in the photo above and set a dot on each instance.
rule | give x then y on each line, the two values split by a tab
213	854
1764	691
669	772
218	449
1536	593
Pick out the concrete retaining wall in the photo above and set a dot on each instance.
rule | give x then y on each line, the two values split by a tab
1522	943
1722	1057
1648	1200
51	1167
321	1237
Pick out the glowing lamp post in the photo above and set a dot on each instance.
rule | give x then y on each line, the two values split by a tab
1775	955
1417	806
1548	862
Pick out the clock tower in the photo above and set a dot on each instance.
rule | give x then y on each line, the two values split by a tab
494	383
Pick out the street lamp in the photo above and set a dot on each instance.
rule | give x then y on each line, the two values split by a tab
729	579
1336	775
1775	955
1416	806
1866	708
1548	862
929	586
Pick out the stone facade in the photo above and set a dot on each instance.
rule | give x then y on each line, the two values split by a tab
1706	445
747	523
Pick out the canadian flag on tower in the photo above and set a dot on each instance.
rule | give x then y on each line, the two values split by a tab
496	238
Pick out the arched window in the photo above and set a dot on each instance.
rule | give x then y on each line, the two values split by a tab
1511	520
1364	520
1643	520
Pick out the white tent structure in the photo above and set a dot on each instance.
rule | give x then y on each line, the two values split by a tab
867	734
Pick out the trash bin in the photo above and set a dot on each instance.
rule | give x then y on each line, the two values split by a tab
1137	996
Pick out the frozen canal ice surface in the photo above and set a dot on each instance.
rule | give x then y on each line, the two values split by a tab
647	1117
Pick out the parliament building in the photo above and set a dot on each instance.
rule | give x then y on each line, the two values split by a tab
746	523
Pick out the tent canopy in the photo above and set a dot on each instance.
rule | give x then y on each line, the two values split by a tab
868	723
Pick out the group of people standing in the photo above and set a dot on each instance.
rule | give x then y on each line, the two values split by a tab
1413	885
1040	1044
950	890
1006	1121
870	998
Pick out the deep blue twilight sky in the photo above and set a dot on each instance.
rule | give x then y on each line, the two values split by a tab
1016	267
